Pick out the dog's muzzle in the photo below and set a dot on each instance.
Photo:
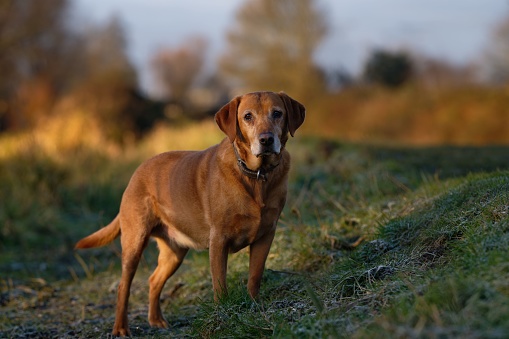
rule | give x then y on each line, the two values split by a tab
268	145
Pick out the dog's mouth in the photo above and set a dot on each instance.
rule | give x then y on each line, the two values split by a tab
267	153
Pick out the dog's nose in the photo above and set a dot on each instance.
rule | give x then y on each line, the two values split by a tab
266	139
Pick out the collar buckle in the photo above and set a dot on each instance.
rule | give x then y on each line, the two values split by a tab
258	174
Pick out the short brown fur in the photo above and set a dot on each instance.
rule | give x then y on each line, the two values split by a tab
204	199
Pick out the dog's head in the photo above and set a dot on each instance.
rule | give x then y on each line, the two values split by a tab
259	123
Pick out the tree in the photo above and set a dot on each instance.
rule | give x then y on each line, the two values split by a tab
390	69
38	58
175	69
439	74
497	55
108	85
271	46
44	59
107	66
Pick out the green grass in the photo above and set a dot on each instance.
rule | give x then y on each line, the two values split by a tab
373	242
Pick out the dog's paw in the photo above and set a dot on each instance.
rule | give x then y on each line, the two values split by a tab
120	332
158	322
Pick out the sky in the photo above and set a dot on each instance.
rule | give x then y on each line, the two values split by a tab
457	31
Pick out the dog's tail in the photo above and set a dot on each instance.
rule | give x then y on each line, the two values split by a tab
102	237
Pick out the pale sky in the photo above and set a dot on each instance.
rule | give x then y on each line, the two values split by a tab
455	30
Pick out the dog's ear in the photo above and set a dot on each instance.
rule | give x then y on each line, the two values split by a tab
296	112
226	118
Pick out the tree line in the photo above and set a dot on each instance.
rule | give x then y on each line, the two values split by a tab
47	60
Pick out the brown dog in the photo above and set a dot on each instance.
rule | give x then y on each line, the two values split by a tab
224	198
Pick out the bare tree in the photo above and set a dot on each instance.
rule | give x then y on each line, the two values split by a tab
271	46
497	55
106	62
439	74
175	69
108	80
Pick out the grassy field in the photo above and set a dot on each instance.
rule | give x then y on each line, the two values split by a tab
378	242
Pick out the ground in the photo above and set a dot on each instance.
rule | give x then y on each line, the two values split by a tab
374	241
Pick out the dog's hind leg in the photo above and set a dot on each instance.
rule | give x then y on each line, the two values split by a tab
133	244
170	258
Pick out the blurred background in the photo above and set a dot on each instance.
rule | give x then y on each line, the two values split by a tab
404	99
396	72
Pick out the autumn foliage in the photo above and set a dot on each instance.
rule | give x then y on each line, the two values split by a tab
469	115
84	74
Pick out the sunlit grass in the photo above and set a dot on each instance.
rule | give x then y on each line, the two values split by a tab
74	134
188	137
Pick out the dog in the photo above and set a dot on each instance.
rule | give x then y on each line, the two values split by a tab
224	199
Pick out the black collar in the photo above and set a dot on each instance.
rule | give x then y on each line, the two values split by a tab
261	174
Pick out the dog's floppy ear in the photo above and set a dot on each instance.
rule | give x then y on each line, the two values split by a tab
226	118
295	111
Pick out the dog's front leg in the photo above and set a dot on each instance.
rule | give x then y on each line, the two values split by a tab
218	254
258	252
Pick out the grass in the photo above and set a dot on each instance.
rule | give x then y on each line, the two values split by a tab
374	242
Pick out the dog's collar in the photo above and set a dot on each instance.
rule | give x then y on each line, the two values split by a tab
260	174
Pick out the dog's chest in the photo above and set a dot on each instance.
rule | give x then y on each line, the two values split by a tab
246	228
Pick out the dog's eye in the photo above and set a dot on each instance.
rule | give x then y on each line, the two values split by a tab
277	114
248	117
